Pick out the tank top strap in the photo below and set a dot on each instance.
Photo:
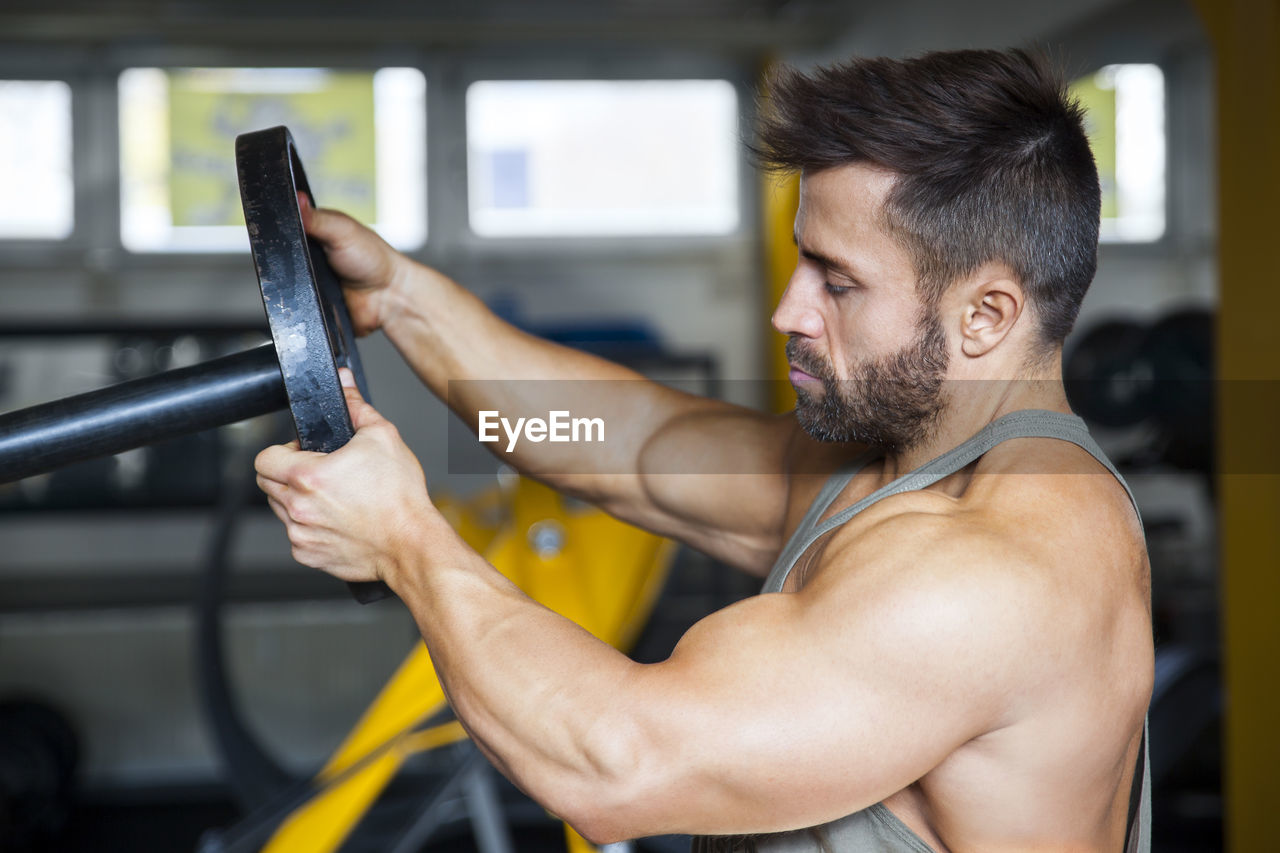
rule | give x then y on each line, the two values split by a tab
796	545
1028	423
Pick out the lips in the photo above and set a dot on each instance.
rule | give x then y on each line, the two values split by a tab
803	362
796	375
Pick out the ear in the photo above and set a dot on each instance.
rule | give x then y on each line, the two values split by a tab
992	302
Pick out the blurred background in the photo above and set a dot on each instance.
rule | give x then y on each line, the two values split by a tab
168	674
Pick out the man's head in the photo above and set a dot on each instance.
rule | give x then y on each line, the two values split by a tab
921	175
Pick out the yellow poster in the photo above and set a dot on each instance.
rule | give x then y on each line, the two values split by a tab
329	113
1097	94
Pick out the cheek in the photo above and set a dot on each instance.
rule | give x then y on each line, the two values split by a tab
863	327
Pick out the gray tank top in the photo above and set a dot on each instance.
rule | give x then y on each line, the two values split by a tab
876	829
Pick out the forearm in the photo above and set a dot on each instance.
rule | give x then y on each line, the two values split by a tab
542	697
476	362
643	443
446	334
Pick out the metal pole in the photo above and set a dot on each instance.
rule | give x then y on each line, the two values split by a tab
140	412
487	820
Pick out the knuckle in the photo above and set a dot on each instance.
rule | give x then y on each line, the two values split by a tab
301	513
384	431
308	479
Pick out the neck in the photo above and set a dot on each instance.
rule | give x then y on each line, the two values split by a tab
971	404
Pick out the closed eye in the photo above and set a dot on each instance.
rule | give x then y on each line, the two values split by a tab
836	289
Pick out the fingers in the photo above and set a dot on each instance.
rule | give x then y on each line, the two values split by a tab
279	461
280	511
274	490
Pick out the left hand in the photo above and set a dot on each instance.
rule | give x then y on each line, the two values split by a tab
358	513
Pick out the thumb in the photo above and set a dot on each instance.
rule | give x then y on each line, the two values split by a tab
362	414
326	225
306	209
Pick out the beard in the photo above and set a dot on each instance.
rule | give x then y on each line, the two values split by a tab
894	402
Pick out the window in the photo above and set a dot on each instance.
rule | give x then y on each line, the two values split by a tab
36	191
360	134
602	157
1125	119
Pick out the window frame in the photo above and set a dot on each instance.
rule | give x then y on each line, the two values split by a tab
71	105
243	59
25	64
96	245
639	233
1167	170
1089	59
609	68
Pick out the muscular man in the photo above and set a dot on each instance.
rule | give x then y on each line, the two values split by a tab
952	654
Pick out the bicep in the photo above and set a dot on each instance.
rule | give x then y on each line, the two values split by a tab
786	711
715	477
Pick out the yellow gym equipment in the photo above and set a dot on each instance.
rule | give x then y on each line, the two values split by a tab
576	560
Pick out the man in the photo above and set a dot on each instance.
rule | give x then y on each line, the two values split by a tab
958	658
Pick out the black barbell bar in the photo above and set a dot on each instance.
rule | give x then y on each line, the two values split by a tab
312	338
140	412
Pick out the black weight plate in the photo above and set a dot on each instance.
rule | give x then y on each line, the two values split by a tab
308	317
1180	349
305	343
1107	379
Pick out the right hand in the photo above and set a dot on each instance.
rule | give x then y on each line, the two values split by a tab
369	270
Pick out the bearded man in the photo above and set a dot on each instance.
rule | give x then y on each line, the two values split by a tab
953	648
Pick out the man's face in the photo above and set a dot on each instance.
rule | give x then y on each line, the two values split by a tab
867	357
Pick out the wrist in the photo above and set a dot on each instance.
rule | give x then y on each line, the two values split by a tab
412	286
395	299
420	547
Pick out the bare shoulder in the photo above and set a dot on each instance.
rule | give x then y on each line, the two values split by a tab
920	551
1065	511
1030	504
1037	550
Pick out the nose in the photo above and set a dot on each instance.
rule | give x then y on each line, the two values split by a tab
797	312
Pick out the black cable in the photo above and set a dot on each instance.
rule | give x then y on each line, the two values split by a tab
254	776
249	834
264	790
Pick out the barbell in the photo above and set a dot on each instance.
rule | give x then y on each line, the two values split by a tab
311	337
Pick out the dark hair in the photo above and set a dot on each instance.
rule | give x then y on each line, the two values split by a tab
991	159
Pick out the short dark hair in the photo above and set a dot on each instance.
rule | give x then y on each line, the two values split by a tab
991	158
